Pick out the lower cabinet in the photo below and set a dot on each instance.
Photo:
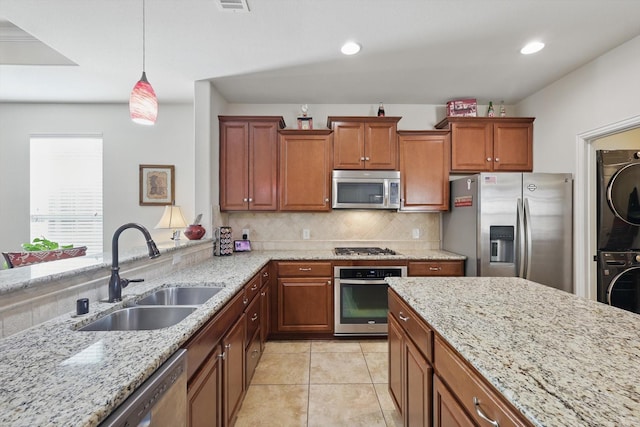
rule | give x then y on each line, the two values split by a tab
410	370
204	395
304	298
447	412
233	371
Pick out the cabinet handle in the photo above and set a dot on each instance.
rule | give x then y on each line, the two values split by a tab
488	159
362	159
227	346
482	415
245	300
497	159
254	287
245	200
222	356
435	268
304	269
367	159
403	318
263	293
254	354
329	282
250	199
326	200
265	274
254	317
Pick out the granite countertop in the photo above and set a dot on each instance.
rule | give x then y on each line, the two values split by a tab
560	359
52	374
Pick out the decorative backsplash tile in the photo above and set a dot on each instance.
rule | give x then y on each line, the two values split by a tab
278	230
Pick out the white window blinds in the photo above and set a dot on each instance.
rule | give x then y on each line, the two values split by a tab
66	190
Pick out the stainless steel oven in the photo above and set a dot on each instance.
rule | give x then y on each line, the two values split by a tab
361	304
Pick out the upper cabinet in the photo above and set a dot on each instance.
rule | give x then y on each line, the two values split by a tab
364	142
249	162
490	144
305	170
424	170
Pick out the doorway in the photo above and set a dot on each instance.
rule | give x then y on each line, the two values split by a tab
623	135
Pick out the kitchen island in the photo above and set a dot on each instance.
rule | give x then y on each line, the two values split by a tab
560	360
52	374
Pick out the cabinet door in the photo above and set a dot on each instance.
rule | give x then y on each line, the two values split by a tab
348	145
447	412
305	171
471	147
418	390
396	365
204	395
305	305
424	171
513	147
233	370
265	315
263	166
234	165
380	146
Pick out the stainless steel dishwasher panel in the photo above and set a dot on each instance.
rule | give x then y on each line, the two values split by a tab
161	401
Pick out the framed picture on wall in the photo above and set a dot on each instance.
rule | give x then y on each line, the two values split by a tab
157	185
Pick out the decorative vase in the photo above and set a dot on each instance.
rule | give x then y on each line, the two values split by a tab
194	232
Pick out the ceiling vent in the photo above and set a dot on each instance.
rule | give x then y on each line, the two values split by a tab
233	5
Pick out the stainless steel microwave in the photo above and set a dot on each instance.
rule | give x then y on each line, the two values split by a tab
364	189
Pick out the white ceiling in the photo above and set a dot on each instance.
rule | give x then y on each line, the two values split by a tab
288	51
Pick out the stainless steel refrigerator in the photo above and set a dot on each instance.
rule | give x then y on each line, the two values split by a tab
513	225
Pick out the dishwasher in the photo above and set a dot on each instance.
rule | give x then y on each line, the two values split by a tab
161	401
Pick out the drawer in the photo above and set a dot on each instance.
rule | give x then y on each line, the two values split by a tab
436	268
253	319
204	341
252	289
469	387
304	269
412	324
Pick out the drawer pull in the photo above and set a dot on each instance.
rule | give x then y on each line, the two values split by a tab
482	415
435	268
227	346
254	354
304	269
254	287
254	317
403	317
265	274
263	293
245	300
222	356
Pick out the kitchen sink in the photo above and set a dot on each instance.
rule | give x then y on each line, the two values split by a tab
140	318
179	296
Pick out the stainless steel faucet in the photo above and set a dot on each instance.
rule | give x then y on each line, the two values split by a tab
116	284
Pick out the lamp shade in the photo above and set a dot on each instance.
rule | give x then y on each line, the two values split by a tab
172	218
143	103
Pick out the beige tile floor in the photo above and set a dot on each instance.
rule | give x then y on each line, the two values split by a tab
320	383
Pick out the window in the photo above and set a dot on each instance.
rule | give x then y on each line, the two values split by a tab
66	190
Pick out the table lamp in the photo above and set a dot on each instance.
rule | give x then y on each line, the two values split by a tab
173	219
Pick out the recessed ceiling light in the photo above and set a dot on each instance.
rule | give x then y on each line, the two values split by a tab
350	48
532	47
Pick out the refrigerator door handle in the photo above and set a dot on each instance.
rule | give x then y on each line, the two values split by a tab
521	236
527	226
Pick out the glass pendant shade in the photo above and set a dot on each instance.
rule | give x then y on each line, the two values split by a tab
143	103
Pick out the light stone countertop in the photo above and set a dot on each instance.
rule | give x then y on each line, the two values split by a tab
560	359
53	375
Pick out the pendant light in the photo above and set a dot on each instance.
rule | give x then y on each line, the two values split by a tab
143	103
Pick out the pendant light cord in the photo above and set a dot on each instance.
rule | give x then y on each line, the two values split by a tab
143	37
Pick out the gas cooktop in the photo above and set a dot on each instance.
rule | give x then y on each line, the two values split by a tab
364	251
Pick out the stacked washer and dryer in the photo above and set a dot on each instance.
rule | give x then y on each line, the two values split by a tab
619	228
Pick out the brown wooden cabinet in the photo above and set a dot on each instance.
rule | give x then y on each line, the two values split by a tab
204	394
486	144
304	298
410	359
248	162
364	142
424	170
233	371
265	308
436	268
305	170
447	412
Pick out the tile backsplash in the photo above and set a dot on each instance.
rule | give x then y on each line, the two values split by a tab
278	230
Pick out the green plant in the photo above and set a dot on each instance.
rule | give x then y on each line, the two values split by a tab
42	244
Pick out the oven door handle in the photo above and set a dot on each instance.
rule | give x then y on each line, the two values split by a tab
360	281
